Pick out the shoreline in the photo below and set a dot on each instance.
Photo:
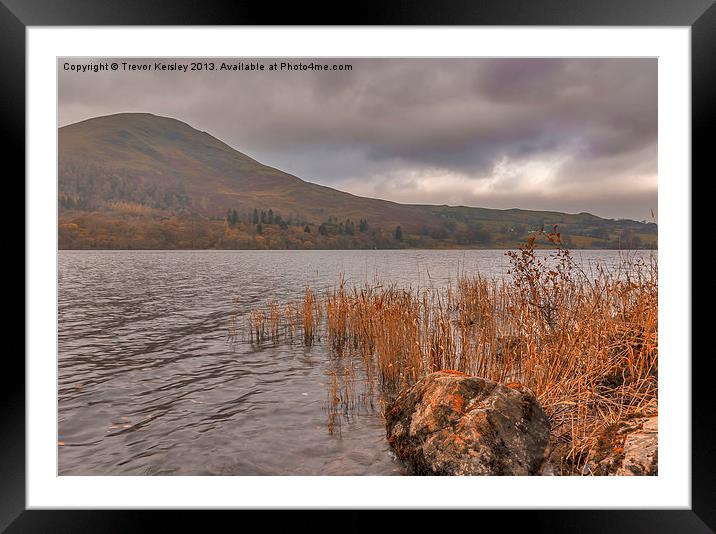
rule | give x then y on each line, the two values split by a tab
587	348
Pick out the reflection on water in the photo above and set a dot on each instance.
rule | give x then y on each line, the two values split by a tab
156	378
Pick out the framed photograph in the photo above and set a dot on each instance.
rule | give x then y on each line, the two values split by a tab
420	259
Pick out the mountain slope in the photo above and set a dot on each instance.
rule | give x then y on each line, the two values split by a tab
140	169
168	164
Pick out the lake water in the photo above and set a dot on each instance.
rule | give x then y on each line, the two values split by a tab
150	382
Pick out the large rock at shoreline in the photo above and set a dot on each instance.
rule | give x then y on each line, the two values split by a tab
449	423
627	448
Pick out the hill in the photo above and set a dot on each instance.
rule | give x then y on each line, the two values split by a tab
137	180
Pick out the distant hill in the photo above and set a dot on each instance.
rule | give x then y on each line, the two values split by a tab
136	180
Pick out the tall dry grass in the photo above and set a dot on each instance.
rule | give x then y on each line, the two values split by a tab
585	343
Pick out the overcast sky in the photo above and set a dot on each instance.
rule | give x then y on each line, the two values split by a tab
560	134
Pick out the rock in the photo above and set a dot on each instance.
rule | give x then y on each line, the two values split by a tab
627	448
641	450
450	423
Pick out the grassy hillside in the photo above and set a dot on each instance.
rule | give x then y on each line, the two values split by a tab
136	180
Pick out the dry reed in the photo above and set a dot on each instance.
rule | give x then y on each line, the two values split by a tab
586	344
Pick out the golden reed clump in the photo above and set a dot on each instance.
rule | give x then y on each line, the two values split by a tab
585	343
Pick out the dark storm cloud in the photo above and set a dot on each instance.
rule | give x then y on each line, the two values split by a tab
562	134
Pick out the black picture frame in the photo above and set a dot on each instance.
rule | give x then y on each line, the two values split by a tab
699	15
